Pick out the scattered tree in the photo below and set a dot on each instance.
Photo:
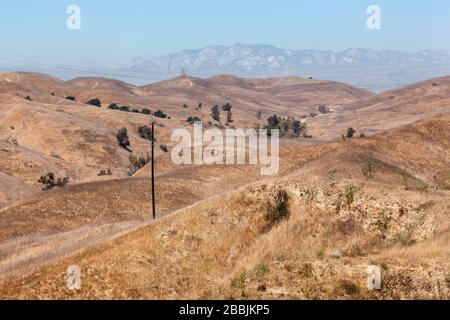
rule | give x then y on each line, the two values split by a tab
193	120
107	172
215	113
230	117
227	107
324	109
49	181
94	102
164	148
350	133
160	114
122	138
145	132
137	163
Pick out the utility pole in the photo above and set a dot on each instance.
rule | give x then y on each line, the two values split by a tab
153	172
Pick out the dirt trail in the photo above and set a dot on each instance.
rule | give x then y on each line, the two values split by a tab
30	252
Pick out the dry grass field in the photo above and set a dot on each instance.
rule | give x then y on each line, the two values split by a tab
336	206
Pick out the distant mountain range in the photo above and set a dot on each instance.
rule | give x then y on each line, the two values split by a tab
365	68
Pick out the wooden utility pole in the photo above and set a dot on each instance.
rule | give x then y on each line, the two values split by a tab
153	172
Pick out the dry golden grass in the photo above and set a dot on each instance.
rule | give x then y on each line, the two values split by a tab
223	231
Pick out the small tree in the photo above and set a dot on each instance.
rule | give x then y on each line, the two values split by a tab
160	114
230	117
193	120
164	148
324	109
350	133
113	106
49	181
107	172
137	163
94	102
146	111
122	138
215	113
227	107
145	132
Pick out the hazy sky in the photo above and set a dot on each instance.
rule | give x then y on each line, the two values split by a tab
118	31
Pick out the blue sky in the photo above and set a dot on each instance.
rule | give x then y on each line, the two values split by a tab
118	31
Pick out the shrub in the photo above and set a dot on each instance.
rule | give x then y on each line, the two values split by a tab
260	270
95	103
107	172
259	114
289	127
369	169
125	109
193	120
185	106
71	98
164	148
215	113
137	163
324	109
350	133
28	98
145	132
122	138
136	111
442	180
230	117
200	105
49	181
160	114
277	207
113	106
146	111
227	107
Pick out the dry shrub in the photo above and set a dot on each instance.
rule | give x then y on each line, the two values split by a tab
277	207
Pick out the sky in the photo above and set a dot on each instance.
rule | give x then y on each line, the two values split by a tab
118	31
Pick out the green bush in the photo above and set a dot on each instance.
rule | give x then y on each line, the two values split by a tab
122	138
49	181
95	103
350	133
215	113
106	172
160	114
164	148
227	107
193	120
145	132
137	163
